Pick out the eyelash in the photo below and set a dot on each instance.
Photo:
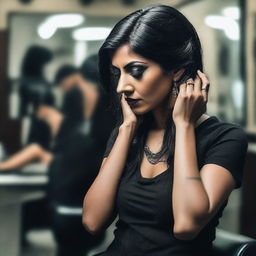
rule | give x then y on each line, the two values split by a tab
139	70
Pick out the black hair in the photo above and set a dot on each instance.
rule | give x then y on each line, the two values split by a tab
164	35
89	69
73	104
63	72
34	60
73	100
38	94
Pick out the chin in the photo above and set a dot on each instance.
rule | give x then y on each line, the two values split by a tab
140	110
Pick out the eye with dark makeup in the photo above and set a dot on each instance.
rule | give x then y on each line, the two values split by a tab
134	68
136	71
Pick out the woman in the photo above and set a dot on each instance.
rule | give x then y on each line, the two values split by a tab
32	78
46	121
168	202
51	127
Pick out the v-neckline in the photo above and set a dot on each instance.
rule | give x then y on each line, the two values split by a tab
151	178
165	171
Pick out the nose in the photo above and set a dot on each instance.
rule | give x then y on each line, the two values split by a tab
124	85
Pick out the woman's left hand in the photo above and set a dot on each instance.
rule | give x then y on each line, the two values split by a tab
191	101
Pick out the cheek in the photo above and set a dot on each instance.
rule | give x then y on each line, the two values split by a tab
156	87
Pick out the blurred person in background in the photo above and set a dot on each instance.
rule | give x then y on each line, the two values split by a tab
32	74
168	168
79	135
47	119
32	80
47	123
77	160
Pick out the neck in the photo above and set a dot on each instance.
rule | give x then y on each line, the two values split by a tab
160	114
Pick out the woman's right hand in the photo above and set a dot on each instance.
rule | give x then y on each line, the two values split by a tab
129	118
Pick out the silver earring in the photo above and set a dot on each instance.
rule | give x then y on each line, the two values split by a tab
174	90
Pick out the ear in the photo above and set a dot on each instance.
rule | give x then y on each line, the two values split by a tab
178	74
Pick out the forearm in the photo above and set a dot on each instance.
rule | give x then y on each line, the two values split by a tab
190	200
24	156
100	199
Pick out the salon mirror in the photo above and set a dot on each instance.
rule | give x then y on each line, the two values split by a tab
68	37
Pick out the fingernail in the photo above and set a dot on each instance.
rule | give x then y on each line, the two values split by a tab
199	71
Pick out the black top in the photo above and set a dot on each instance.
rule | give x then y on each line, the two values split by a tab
145	225
78	153
39	133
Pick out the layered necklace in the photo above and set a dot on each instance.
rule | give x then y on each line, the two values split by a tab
155	158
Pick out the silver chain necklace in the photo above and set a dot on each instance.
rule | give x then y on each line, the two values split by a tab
154	158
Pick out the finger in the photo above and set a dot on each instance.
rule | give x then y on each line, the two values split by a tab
125	106
198	85
205	89
203	77
122	98
205	85
190	86
124	102
182	89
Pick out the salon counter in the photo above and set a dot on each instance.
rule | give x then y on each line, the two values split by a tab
17	187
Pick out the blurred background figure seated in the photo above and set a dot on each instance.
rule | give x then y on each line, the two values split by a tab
77	160
72	151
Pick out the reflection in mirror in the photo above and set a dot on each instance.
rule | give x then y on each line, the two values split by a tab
218	24
55	92
69	37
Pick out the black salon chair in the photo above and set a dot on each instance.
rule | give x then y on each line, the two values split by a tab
231	244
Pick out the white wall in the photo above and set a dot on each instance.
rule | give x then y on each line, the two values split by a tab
99	7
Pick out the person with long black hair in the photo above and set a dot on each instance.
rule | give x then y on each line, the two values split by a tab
79	147
47	120
168	168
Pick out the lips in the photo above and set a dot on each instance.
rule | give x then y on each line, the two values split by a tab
131	100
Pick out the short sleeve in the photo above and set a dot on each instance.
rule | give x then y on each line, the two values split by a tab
229	151
111	141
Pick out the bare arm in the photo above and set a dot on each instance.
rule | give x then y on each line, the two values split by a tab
99	202
28	154
196	196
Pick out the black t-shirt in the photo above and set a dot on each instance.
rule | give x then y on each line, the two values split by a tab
39	133
144	205
78	151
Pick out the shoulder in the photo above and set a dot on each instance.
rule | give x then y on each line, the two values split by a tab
216	129
224	144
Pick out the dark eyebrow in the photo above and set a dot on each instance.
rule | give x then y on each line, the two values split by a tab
130	64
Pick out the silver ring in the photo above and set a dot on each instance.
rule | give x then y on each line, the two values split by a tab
205	87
